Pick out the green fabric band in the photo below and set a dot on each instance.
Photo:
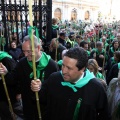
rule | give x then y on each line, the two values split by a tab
119	65
112	50
100	76
30	32
43	62
88	52
113	61
81	82
54	26
4	54
98	52
77	108
60	62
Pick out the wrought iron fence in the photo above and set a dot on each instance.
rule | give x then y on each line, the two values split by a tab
14	19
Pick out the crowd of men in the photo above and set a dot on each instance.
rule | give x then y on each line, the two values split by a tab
77	74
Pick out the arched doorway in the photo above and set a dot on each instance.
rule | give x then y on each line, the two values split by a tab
74	15
87	15
57	13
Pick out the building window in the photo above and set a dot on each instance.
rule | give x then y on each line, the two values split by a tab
57	13
74	15
87	15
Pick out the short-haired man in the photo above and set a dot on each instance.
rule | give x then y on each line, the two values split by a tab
73	93
61	38
23	74
100	54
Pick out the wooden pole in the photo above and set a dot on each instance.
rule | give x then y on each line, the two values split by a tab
33	59
56	49
8	98
104	62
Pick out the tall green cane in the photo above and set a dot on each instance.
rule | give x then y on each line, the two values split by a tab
33	59
8	98
104	62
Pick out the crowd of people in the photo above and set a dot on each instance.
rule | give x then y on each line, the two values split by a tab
77	74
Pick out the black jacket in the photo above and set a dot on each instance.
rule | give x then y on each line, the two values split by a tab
61	100
21	77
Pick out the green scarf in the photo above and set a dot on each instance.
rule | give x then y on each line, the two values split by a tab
30	30
106	44
103	52
4	54
88	52
112	37
119	65
100	76
60	62
43	62
113	61
81	82
54	26
112	50
98	52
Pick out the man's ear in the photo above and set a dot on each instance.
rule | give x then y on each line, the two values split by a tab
39	47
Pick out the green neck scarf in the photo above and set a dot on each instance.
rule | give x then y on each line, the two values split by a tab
112	50
113	61
119	65
106	44
60	62
81	82
4	54
100	76
100	52
43	62
54	26
88	52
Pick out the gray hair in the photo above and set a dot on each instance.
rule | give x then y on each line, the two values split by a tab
99	43
36	41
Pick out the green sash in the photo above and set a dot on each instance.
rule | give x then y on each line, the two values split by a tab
80	83
4	54
43	62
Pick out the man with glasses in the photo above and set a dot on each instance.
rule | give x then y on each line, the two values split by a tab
23	74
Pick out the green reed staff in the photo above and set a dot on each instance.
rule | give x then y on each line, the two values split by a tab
33	59
8	98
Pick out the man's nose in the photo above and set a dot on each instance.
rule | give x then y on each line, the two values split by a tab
64	69
26	54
